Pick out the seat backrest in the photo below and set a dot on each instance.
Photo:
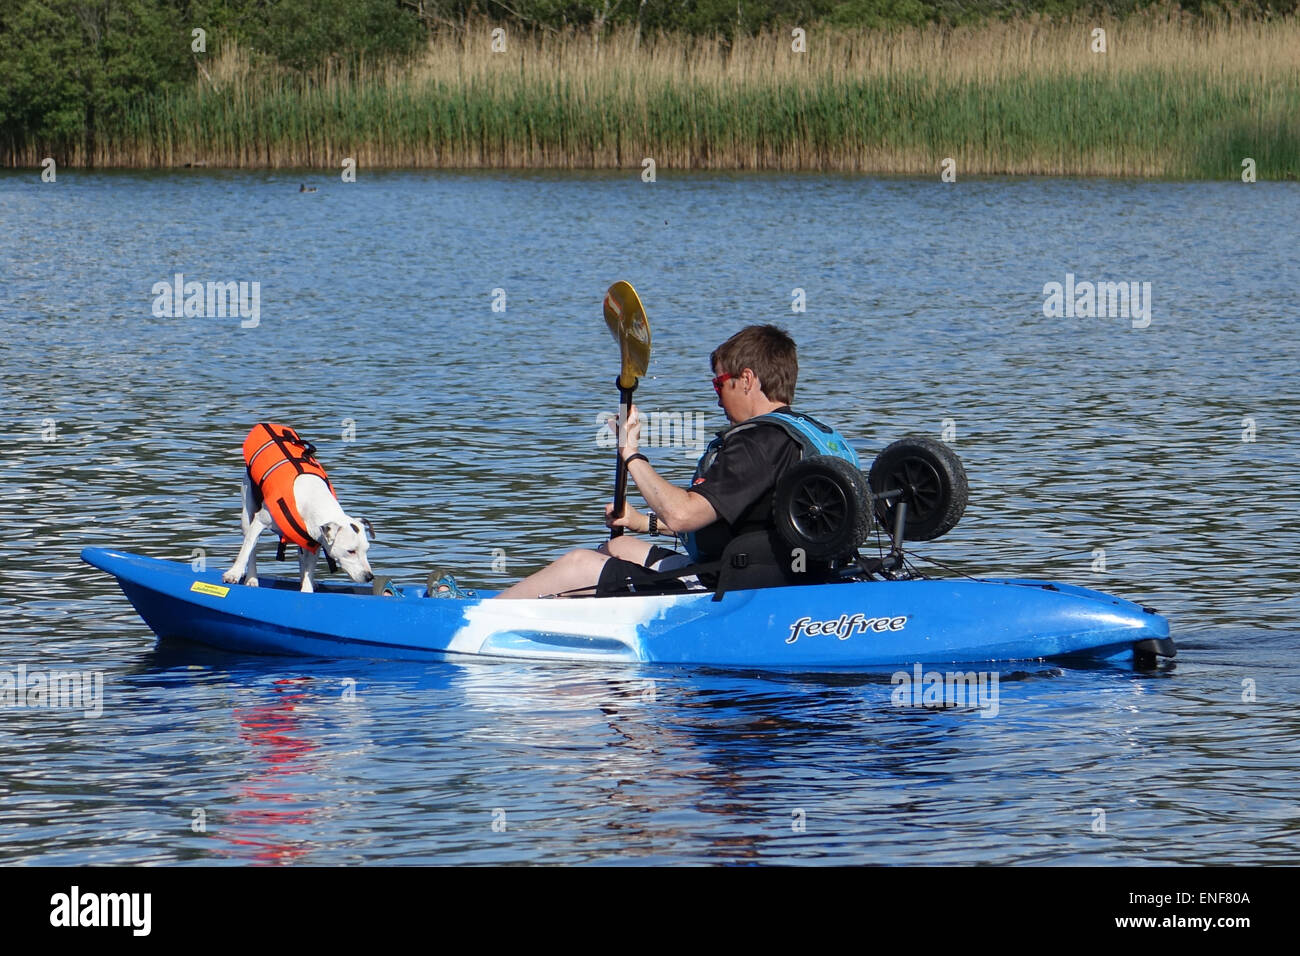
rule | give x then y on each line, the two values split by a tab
759	559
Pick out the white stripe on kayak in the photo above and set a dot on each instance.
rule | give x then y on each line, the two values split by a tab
609	618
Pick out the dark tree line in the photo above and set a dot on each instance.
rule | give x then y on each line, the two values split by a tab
68	66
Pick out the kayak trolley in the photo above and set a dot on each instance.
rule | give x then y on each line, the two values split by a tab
916	490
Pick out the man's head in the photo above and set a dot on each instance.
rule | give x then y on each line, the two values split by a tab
768	352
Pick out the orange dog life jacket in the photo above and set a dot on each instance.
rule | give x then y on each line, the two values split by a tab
275	457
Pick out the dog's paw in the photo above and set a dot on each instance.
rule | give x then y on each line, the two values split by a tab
251	582
231	576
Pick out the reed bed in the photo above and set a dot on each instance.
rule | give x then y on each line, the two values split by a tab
1172	97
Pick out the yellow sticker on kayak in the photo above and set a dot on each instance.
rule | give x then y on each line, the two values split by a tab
216	590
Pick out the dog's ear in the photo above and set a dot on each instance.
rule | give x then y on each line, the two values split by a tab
329	532
370	529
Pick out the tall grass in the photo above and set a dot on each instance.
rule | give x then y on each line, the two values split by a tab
1171	97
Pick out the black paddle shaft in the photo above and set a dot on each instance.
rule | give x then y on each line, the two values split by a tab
620	470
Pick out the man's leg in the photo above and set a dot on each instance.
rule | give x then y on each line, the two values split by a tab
577	569
627	547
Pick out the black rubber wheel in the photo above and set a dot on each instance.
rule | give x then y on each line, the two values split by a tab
822	505
933	483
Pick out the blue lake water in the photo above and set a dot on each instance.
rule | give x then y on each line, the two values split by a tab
1157	462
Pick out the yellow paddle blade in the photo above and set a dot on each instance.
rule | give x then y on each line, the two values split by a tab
626	318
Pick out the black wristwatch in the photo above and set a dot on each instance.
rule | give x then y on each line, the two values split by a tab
637	457
653	530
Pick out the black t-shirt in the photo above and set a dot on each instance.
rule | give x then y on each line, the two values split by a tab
740	482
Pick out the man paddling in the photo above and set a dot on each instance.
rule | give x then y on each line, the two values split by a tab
731	494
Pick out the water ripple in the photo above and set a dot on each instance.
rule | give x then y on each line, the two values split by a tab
1156	463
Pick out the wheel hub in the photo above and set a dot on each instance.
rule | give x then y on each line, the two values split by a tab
819	508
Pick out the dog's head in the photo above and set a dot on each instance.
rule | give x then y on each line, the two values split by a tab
347	544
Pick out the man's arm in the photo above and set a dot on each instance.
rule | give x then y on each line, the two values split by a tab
679	510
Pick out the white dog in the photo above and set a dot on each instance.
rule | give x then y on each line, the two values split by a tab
285	488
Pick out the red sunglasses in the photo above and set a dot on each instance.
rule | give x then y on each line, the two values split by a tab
718	382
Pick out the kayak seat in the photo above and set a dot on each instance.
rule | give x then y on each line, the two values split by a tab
753	560
761	559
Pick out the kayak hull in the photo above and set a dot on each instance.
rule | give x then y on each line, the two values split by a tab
822	627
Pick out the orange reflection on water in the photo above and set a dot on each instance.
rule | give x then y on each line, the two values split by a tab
271	730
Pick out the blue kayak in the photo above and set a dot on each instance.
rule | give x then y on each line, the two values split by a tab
847	625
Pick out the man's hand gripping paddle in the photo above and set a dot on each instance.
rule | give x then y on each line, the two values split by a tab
626	318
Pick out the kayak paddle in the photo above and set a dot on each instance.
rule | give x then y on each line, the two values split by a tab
626	318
